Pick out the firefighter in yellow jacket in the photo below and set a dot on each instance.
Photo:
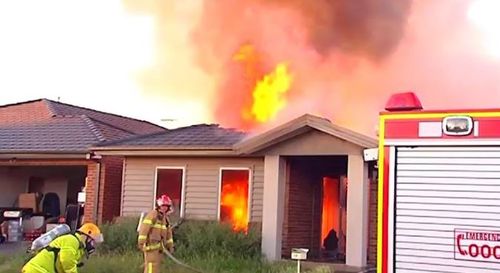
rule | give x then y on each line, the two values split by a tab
155	232
64	253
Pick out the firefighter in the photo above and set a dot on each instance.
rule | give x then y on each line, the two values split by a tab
155	234
65	253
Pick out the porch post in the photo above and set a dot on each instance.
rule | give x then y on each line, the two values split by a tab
273	207
90	209
357	211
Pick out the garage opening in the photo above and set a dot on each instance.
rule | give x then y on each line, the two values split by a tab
48	192
315	208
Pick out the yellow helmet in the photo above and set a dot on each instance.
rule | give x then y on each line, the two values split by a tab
92	231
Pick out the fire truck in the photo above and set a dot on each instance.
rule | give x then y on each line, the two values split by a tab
439	189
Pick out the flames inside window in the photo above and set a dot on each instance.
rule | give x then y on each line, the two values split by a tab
234	198
331	208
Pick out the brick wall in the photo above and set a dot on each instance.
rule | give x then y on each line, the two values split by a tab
301	223
317	210
90	186
110	188
24	113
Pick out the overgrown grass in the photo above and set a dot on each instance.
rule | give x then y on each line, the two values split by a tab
208	246
13	263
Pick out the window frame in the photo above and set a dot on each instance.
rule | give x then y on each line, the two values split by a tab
250	190
183	186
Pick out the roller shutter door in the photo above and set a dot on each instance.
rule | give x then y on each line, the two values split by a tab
443	194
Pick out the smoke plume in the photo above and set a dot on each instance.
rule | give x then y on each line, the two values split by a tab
306	34
345	57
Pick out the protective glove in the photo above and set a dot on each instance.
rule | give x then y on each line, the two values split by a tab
171	249
169	245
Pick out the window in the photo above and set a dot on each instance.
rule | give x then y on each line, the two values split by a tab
234	197
170	181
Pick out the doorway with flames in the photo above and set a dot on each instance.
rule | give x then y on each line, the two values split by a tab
316	207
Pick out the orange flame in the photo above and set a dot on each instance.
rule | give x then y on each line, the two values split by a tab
234	204
330	215
268	94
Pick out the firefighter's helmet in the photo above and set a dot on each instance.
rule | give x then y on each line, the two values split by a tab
92	231
164	200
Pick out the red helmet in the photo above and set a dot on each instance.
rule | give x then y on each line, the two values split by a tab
164	200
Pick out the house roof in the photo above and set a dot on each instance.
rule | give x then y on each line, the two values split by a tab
299	126
68	135
45	126
212	139
106	121
195	137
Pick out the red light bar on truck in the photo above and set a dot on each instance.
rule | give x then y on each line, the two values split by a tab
406	101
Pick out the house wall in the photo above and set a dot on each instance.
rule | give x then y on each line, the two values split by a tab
201	184
313	143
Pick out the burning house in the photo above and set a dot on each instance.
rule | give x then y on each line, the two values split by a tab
295	183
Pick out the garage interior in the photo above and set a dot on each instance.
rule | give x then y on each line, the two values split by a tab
316	207
59	183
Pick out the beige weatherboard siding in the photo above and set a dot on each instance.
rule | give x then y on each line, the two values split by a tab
201	185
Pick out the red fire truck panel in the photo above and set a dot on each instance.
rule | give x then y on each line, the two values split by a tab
439	192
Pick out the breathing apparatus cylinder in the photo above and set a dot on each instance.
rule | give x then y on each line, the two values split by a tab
49	236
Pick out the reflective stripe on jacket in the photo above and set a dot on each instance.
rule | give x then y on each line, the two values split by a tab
155	230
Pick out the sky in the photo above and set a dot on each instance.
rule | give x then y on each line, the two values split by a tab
87	53
165	61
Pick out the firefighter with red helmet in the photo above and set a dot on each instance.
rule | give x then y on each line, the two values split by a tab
155	234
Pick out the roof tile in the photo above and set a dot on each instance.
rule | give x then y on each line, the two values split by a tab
55	135
47	126
201	135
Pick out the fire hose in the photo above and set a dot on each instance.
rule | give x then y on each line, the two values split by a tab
177	261
168	254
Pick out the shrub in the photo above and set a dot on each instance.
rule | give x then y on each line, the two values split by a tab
192	239
210	239
120	237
